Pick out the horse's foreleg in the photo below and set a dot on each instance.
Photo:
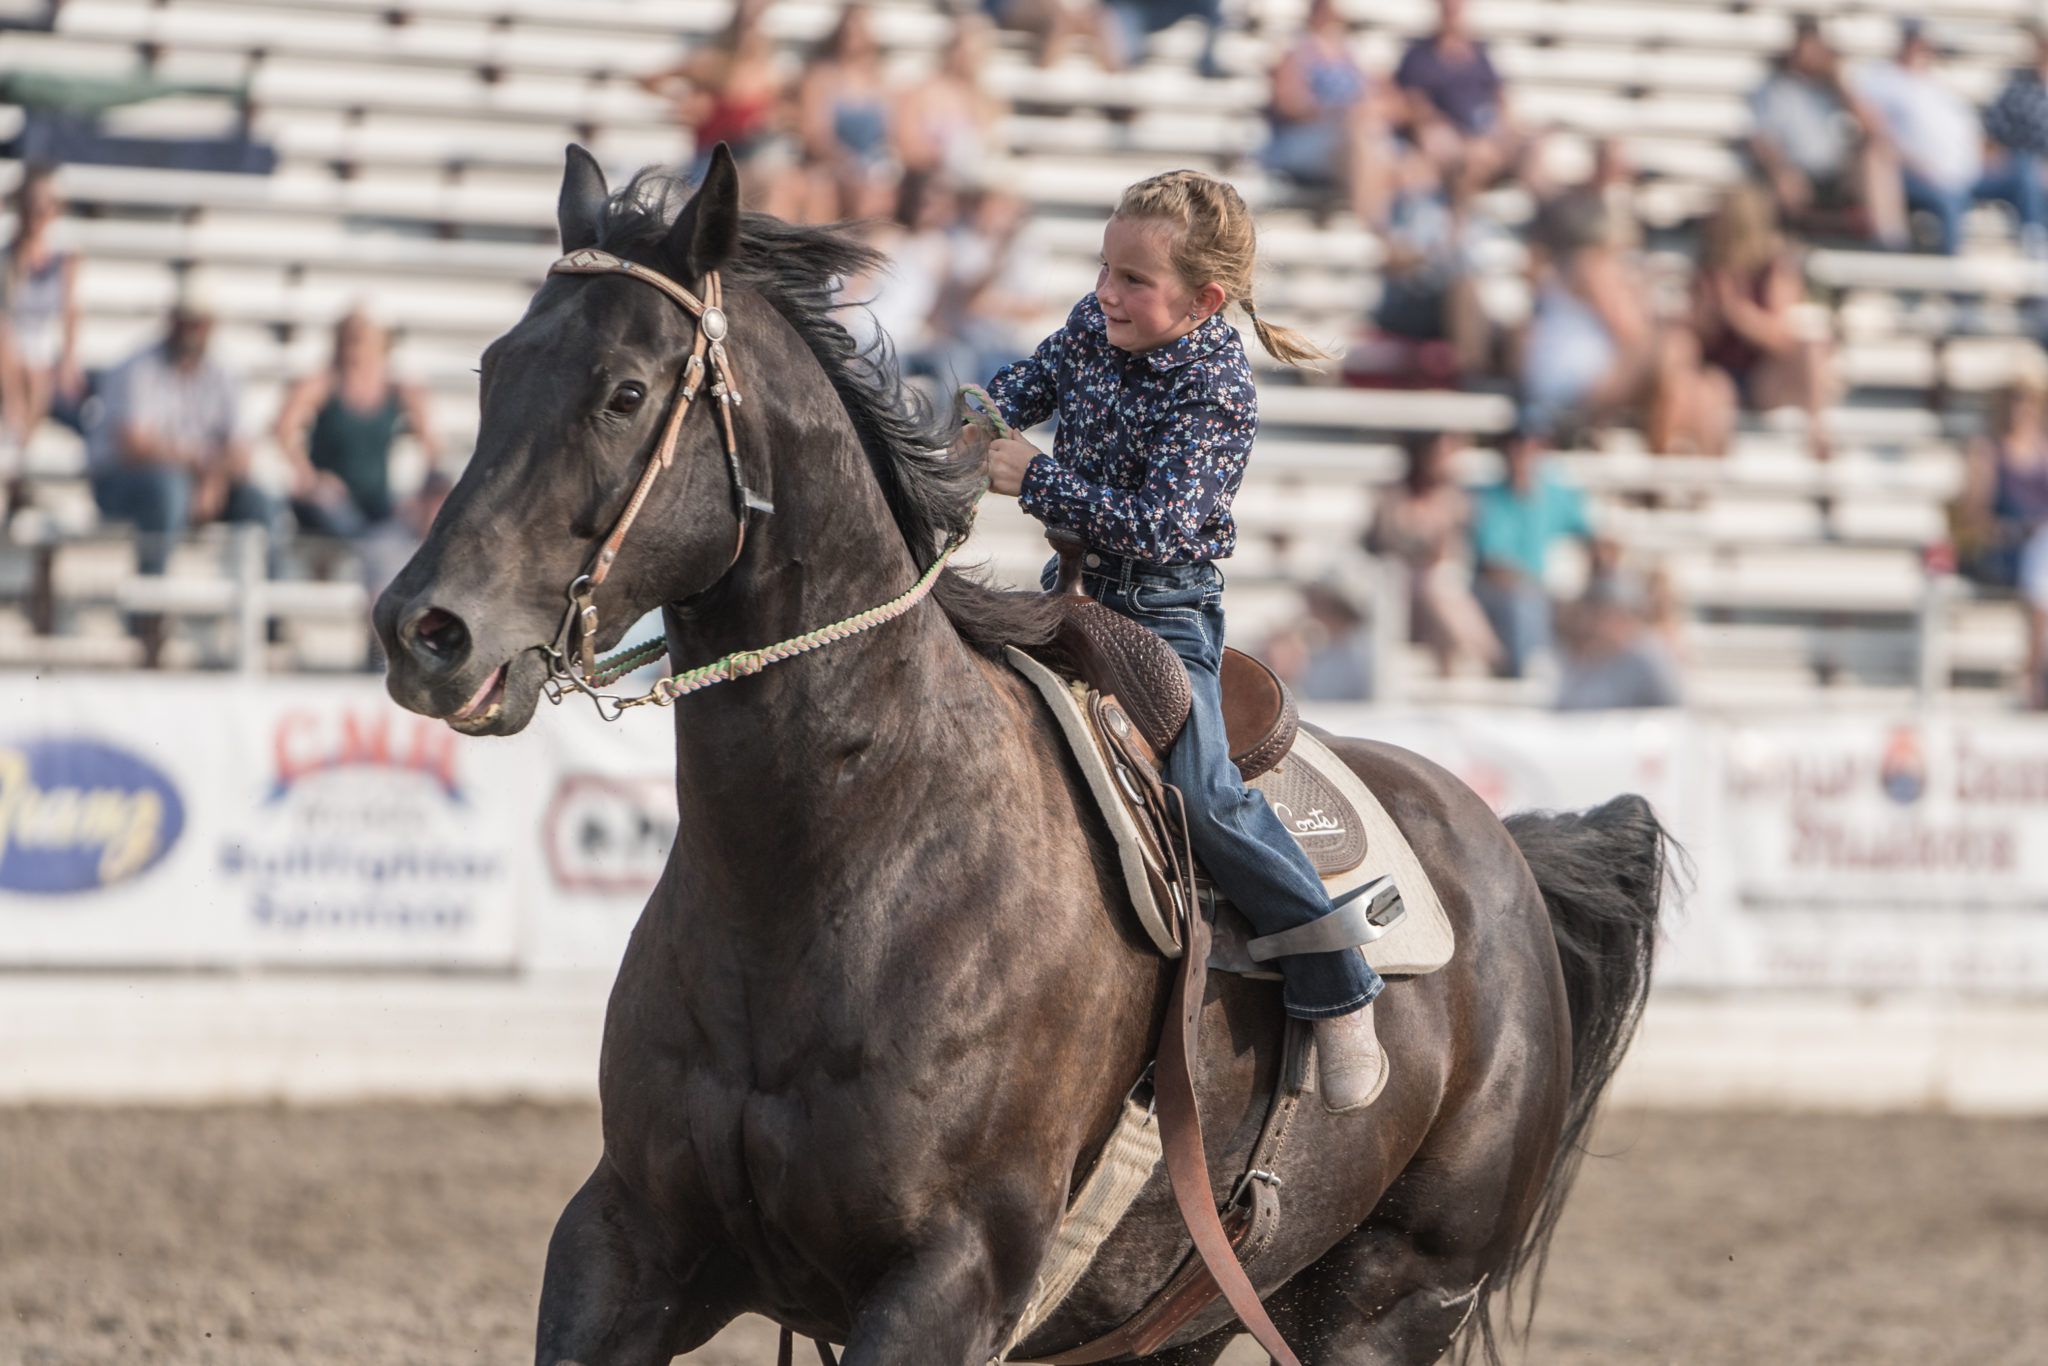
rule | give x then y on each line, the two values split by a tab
609	1296
941	1304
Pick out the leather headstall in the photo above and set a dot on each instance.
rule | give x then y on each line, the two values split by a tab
707	356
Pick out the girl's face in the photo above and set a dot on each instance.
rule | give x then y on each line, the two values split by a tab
1144	301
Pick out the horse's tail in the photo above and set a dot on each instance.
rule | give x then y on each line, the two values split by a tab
1602	874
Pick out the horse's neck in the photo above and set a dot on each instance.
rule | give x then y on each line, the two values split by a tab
884	812
813	764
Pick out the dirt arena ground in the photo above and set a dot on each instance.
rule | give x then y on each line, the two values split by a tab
412	1236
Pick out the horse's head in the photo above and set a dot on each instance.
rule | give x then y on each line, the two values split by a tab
575	399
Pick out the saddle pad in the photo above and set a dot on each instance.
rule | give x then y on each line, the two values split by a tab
1421	941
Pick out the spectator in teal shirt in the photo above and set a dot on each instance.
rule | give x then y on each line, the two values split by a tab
1515	523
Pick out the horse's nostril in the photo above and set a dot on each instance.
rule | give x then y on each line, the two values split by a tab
442	634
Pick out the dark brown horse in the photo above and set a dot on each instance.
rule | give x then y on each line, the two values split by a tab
888	996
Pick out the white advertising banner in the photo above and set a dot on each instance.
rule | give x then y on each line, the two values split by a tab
106	826
212	822
357	831
226	822
1857	852
1875	853
602	833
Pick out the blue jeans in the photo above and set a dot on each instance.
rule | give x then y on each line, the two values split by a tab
1137	20
2016	179
159	502
1520	614
1242	844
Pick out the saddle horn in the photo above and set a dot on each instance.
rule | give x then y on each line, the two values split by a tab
1070	549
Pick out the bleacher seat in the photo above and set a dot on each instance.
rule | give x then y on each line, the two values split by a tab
420	143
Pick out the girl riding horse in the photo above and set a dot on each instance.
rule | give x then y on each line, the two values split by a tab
1157	412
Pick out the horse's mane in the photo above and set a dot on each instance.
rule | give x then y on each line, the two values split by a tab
931	495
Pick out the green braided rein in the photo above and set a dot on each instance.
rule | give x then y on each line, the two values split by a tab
975	408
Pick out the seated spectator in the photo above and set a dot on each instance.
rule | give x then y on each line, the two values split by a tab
1515	525
337	428
1326	654
1593	353
950	123
1813	145
2004	499
1056	25
2034	604
1456	107
1133	22
1324	128
2001	516
1616	183
1745	295
1938	140
166	452
1429	284
991	294
1616	652
1422	525
38	327
735	91
845	123
2018	122
901	302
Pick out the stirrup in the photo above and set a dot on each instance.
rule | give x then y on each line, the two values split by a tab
1360	916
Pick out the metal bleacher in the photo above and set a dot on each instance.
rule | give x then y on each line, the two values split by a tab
420	148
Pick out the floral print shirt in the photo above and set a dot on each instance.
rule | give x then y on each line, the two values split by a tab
1151	447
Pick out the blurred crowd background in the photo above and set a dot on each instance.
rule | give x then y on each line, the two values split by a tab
1691	353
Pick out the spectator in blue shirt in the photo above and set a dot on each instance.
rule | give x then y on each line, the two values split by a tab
1515	525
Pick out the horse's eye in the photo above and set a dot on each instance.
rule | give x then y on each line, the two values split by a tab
626	397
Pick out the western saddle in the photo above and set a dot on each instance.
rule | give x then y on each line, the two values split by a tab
1143	682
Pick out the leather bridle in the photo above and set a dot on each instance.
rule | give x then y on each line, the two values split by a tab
707	358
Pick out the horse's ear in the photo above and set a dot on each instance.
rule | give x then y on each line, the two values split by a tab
708	228
579	212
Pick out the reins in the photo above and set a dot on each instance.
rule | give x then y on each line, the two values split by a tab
587	674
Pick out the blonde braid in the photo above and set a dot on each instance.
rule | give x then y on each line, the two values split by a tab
1215	240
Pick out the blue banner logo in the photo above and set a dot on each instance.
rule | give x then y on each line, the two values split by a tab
77	815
